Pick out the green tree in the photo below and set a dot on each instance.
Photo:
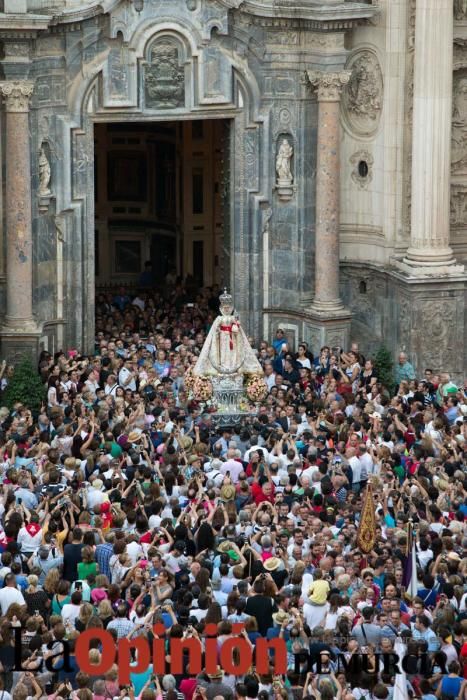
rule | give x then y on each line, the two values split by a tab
24	386
383	365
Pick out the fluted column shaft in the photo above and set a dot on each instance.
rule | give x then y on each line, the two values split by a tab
431	134
16	96
329	87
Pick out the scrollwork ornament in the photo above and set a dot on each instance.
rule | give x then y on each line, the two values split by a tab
16	95
329	85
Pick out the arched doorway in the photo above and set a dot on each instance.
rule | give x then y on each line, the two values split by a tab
213	144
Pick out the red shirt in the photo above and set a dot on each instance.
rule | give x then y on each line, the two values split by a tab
259	496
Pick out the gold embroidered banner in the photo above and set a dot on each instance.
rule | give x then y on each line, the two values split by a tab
366	536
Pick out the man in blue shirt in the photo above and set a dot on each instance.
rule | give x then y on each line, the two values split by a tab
403	370
25	495
421	630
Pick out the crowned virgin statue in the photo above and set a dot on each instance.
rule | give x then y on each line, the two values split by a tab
226	349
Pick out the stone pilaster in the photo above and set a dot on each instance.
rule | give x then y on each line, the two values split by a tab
19	323
429	249
328	87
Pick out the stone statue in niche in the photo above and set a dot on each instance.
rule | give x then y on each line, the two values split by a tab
459	124
165	77
460	9
284	156
284	179
44	174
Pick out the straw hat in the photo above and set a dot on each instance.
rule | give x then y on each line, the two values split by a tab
185	442
280	617
135	435
219	673
271	564
228	492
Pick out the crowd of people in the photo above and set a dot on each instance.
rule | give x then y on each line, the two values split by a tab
123	506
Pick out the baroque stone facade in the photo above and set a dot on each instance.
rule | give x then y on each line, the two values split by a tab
318	237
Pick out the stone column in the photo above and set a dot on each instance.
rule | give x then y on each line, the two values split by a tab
19	318
431	137
329	87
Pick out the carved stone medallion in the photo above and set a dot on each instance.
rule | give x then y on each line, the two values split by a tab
164	78
362	98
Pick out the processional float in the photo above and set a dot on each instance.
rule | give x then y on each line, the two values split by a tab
227	377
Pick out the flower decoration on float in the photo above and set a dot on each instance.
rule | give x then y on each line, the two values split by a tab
256	388
189	379
202	389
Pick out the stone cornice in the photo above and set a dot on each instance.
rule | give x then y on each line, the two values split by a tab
330	16
22	26
93	8
75	16
334	15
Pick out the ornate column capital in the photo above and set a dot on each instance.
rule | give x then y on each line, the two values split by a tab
16	94
328	85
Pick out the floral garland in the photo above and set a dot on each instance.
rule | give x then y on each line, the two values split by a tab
256	388
202	389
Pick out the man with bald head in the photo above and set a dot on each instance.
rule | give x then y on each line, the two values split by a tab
403	369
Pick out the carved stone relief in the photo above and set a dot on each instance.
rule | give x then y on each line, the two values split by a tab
336	339
362	170
321	41
164	78
459	206
118	73
16	49
411	7
405	315
82	162
460	9
284	38
267	216
439	318
251	158
362	98
315	340
459	123
284	116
